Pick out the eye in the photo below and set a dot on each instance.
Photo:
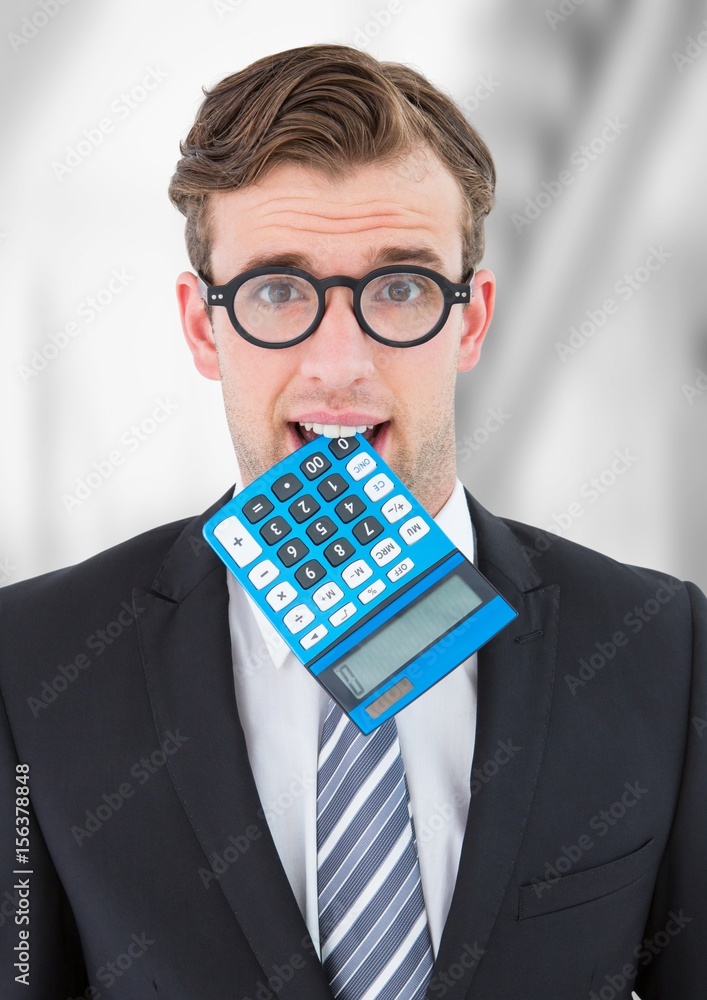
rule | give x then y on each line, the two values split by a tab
279	291
400	288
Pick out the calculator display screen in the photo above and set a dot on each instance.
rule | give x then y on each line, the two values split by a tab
406	635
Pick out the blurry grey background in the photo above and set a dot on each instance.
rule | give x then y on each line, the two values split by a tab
569	241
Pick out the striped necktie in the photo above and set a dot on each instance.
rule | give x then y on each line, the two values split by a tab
375	941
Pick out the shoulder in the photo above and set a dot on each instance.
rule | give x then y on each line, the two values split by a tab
136	559
56	611
600	584
593	586
49	619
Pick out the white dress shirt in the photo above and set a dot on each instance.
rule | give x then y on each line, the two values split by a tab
282	709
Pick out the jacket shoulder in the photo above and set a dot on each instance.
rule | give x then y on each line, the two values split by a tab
81	597
584	571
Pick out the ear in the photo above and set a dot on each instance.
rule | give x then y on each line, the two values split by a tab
477	318
196	326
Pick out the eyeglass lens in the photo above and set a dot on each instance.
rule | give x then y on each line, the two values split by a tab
276	308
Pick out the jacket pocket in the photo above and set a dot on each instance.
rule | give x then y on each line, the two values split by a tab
582	887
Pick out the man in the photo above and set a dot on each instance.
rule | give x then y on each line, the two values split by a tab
173	749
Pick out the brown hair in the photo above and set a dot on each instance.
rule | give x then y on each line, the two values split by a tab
332	108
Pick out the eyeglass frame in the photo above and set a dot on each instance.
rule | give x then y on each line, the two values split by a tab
454	293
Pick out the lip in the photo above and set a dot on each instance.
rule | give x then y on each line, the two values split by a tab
349	418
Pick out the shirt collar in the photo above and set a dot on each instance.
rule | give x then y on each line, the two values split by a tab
454	519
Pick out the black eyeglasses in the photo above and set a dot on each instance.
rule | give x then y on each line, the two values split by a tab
397	306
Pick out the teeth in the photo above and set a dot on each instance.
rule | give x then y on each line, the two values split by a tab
337	430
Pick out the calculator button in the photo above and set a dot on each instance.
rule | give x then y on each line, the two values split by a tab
395	508
321	529
292	552
281	595
315	466
360	466
298	618
263	574
286	487
342	447
385	551
371	591
412	530
403	567
312	637
274	530
343	614
257	508
310	573
378	487
238	542
339	551
331	487
356	573
349	508
327	595
304	508
367	529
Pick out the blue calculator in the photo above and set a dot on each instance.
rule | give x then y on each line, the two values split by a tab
368	592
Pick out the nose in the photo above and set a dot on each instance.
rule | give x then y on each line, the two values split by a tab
339	352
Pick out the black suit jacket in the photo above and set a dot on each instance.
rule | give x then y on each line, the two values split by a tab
153	872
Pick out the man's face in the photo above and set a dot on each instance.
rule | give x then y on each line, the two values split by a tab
403	214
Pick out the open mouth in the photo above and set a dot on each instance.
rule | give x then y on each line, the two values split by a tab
306	432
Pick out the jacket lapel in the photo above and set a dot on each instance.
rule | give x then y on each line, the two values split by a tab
186	649
515	677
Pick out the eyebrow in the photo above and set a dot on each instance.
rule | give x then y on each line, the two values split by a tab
375	257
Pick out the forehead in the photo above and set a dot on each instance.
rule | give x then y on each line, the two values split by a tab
369	213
